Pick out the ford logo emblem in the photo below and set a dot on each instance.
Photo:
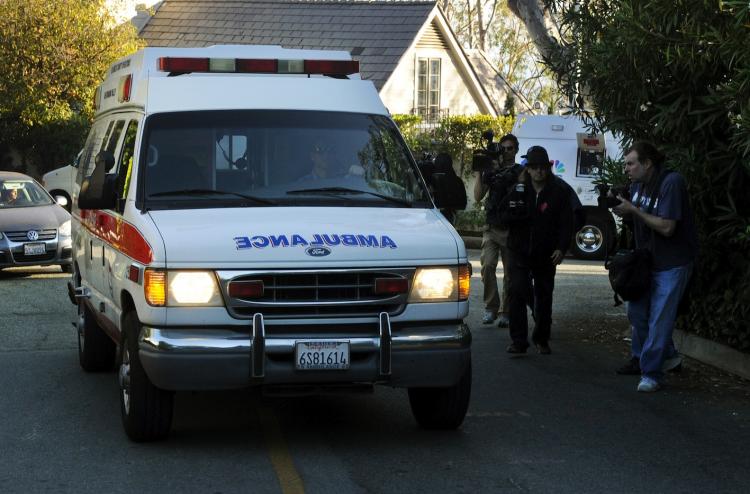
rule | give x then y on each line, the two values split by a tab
32	235
317	251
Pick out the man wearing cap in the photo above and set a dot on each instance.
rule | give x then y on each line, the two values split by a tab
497	182
540	220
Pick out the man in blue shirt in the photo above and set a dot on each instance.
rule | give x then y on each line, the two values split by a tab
669	233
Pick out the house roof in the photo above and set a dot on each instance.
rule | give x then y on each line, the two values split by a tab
375	32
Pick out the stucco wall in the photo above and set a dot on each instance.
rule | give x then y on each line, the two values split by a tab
400	92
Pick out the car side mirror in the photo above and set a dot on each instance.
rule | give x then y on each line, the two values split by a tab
98	189
61	200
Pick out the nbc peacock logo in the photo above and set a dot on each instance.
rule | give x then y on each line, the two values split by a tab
559	167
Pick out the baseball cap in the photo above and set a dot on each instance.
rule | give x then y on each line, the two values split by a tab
536	155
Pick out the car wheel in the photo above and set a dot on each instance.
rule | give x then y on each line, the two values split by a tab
442	408
592	240
96	351
146	410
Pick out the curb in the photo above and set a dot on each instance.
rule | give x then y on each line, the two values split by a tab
712	353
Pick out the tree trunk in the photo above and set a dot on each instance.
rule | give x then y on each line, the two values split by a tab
532	14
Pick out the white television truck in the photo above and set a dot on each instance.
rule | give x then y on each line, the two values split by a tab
576	156
251	216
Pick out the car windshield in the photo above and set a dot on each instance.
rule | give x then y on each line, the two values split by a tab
22	193
276	158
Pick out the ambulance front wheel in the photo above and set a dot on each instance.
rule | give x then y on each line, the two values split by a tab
442	408
146	410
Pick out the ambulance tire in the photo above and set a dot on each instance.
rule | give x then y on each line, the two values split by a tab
96	350
146	410
441	408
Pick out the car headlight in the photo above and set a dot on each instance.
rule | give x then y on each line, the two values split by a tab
65	229
443	284
182	288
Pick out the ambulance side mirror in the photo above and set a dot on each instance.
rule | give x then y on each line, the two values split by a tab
98	189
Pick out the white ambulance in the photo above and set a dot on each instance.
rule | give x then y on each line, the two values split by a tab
576	156
250	216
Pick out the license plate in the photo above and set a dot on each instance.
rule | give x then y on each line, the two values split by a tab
321	355
34	249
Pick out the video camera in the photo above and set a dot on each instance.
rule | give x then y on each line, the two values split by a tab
605	200
482	159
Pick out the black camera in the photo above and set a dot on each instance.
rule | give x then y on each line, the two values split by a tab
483	159
610	200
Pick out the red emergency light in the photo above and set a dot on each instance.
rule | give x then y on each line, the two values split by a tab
257	66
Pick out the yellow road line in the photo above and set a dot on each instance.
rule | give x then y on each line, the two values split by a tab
281	459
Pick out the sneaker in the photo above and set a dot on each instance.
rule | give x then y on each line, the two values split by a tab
631	368
648	385
673	364
514	348
488	317
502	321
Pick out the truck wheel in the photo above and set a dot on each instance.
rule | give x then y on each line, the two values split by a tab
146	410
590	241
96	351
441	408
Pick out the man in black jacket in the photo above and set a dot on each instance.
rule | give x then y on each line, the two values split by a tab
540	218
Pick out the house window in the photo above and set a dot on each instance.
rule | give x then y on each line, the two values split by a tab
428	87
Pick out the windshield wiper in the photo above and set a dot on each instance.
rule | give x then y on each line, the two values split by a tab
211	192
346	190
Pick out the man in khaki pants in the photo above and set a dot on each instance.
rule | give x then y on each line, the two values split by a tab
498	181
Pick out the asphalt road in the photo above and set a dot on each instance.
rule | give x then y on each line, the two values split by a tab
559	423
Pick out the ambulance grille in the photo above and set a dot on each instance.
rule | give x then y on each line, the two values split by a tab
316	294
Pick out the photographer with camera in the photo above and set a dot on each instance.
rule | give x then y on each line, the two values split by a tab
659	207
540	219
496	171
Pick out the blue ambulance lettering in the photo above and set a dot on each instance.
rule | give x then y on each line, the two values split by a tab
316	240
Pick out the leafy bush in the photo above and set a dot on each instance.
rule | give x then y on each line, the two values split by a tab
678	73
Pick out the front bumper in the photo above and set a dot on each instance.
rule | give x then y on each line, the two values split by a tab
58	251
414	355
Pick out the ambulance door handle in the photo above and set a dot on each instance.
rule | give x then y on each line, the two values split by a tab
91	250
102	254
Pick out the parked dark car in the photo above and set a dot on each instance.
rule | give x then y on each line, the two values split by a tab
34	229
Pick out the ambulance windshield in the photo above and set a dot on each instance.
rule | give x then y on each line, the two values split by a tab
263	157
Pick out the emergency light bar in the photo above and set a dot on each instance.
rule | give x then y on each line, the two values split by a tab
257	66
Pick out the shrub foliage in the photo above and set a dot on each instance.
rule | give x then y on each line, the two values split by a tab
678	73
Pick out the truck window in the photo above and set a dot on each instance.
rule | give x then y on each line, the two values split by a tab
281	157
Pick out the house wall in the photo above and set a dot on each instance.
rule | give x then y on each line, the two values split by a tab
400	92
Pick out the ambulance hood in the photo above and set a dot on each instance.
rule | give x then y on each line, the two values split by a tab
300	237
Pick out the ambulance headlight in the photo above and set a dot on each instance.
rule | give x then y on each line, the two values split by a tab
193	288
441	284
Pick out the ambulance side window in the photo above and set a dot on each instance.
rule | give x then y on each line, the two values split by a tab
90	150
114	138
125	169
